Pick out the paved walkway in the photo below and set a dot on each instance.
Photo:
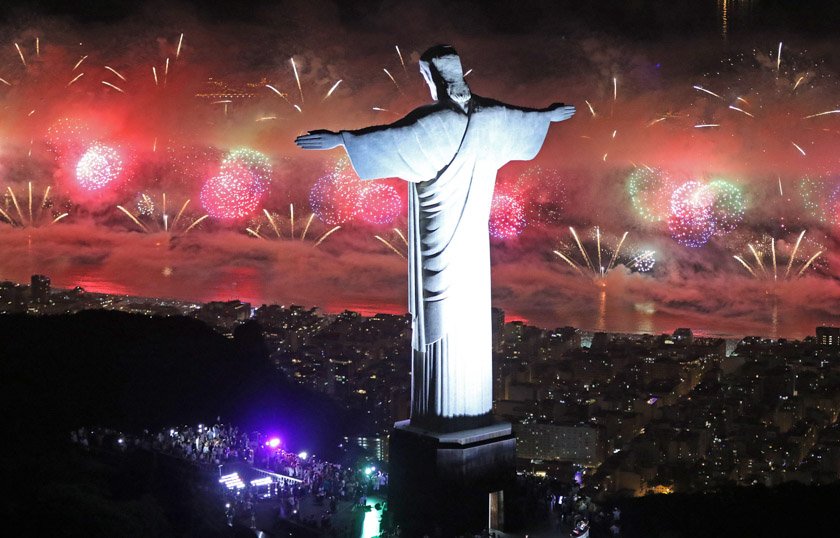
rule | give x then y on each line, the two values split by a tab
349	520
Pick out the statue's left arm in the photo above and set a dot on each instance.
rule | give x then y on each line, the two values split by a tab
412	148
522	131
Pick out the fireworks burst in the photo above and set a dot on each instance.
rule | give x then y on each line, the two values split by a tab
775	260
153	216
821	198
30	210
192	164
68	138
98	167
604	258
258	164
380	203
605	125
644	261
232	194
397	243
692	222
272	225
650	190
543	194
335	197
507	216
340	197
239	187
728	205
145	205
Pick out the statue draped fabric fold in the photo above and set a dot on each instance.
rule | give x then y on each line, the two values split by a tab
450	159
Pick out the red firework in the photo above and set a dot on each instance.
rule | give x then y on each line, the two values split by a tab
232	194
507	216
68	138
335	197
380	203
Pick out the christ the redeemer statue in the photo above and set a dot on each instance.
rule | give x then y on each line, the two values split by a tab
449	152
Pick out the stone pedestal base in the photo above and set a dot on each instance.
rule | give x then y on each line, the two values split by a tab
450	483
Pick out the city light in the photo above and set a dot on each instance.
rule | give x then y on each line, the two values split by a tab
232	481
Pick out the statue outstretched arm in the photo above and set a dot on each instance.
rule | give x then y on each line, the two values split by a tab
319	139
413	148
521	131
560	112
322	139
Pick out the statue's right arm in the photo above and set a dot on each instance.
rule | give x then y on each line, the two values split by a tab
324	139
560	112
320	139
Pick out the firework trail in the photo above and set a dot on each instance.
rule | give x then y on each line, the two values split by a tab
105	82
332	89
392	79
297	79
642	262
274	225
390	246
391	242
114	71
399	54
760	271
20	53
327	234
77	77
283	96
40	211
153	216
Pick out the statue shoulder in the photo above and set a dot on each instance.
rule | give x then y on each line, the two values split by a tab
485	103
433	111
418	116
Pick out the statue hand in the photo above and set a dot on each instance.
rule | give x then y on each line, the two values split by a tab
320	139
561	112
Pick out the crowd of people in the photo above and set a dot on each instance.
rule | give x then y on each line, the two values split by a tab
322	485
213	445
321	478
206	445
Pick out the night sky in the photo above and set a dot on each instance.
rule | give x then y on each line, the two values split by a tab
665	94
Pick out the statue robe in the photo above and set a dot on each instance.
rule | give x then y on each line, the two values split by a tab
450	159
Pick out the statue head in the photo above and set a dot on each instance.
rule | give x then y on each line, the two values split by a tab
441	67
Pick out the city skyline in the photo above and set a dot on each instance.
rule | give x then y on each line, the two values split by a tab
224	314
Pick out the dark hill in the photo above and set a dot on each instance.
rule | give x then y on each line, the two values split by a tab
131	372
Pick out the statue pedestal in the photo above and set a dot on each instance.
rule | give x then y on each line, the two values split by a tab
450	483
